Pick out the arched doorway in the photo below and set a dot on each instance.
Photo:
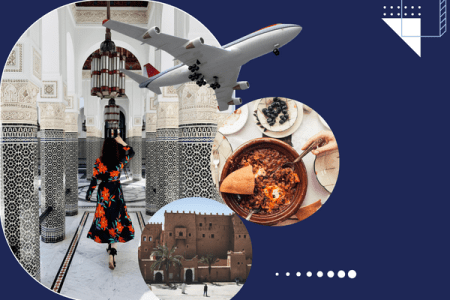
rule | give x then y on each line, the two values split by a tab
158	277
188	276
122	127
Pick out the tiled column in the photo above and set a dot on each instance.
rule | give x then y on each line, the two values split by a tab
150	165
52	170
19	204
71	164
136	143
198	127
93	147
167	153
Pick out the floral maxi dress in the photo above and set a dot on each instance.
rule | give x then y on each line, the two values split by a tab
111	223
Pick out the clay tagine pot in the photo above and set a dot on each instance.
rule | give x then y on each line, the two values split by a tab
300	192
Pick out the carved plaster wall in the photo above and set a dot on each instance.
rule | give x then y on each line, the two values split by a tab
52	115
18	101
88	16
71	122
15	59
150	122
167	115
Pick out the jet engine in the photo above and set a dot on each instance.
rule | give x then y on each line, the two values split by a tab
242	85
235	101
154	31
195	43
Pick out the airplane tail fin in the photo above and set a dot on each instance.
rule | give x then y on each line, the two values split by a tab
141	79
150	70
136	77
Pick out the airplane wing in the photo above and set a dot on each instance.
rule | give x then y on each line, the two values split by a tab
227	80
173	45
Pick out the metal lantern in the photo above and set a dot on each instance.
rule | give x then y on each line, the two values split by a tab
112	117
106	79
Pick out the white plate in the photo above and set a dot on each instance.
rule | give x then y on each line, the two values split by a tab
235	121
277	127
225	150
326	167
323	122
291	130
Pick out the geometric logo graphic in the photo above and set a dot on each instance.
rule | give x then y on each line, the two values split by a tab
414	22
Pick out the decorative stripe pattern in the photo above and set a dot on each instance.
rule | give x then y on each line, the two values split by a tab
140	220
64	268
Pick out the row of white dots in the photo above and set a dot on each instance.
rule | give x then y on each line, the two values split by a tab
341	274
398	7
398	14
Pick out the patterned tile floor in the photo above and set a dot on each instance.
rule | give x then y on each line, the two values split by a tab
77	267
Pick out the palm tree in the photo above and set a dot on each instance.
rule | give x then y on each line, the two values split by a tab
210	259
164	258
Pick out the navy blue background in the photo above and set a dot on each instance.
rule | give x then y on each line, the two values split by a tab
388	215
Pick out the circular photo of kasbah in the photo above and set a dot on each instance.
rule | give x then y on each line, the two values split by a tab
195	247
275	161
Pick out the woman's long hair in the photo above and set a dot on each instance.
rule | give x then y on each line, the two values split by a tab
110	153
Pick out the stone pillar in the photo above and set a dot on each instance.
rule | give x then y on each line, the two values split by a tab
71	161
52	119
19	204
167	189
198	127
136	143
151	171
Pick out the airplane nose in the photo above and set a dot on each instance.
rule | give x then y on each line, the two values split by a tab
296	29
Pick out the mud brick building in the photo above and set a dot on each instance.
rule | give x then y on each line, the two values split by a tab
196	235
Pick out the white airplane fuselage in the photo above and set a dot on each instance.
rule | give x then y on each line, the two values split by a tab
239	53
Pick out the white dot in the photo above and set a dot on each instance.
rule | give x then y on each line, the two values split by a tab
392	14
276	274
398	7
351	274
330	274
341	274
384	14
420	14
392	7
406	7
398	14
309	274
319	274
420	7
412	7
298	274
412	14
384	7
406	14
288	274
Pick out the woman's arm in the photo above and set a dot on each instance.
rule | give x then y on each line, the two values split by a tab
93	184
129	152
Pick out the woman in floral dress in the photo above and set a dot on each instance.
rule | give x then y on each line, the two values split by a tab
111	224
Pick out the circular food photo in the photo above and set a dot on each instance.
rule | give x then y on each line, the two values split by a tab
195	247
281	167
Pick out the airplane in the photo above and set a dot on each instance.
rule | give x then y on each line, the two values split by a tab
218	67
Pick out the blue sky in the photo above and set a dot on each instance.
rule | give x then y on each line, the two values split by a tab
198	205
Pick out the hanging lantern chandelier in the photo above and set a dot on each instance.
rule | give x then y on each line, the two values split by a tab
106	79
112	118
